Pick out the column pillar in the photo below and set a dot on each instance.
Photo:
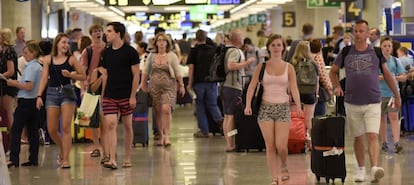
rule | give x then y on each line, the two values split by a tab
26	14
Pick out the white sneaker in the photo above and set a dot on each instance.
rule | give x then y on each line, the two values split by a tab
359	174
376	174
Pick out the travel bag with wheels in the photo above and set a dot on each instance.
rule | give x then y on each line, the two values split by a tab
140	119
328	141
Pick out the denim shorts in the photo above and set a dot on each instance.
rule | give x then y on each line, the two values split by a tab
56	98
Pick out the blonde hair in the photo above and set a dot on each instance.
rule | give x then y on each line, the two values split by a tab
350	36
169	43
302	52
33	47
6	35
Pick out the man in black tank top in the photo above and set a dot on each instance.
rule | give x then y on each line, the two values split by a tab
121	63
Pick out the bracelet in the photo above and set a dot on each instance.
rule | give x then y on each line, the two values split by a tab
39	96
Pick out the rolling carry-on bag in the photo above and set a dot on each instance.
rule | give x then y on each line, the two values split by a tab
328	141
140	119
407	121
297	133
249	135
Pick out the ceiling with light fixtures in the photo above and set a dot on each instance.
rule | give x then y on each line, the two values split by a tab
117	13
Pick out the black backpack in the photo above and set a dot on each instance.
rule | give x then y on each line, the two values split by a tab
217	71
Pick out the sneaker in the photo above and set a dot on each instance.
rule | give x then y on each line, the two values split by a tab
360	174
397	147
384	147
376	174
199	134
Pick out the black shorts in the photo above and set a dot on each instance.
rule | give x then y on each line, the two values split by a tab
7	90
308	98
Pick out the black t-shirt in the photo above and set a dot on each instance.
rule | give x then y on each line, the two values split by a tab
118	65
201	56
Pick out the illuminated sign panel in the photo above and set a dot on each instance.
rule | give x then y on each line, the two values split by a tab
170	2
142	16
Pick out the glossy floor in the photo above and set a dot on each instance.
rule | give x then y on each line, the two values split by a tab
191	161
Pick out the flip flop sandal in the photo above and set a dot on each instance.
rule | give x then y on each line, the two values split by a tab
285	174
127	165
110	165
65	166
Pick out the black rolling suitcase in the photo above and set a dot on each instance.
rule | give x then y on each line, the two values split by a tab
249	135
328	141
140	119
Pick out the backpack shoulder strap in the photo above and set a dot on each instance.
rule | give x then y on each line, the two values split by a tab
89	53
379	54
344	53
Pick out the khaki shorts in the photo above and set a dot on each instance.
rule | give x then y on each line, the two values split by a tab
363	119
384	106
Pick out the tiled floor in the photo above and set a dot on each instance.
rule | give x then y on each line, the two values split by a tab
193	161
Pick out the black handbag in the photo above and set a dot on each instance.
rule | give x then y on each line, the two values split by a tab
258	92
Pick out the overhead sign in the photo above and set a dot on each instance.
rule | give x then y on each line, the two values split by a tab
261	18
289	19
199	12
322	4
252	19
353	10
170	2
142	16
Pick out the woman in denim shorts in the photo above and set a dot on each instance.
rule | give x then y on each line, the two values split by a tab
274	113
60	68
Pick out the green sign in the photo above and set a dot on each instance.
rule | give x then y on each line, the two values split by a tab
322	4
243	22
252	19
261	18
227	26
235	24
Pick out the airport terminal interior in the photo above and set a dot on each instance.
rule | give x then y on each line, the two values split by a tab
191	160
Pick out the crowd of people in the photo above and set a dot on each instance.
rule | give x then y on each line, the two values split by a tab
109	65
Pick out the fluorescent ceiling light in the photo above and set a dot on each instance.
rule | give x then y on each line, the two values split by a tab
83	4
177	8
116	10
244	5
100	2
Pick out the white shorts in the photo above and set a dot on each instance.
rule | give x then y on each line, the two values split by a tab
363	118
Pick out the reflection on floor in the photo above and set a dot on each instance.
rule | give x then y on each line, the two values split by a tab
193	161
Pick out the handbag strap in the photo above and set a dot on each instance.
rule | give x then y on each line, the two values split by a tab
262	70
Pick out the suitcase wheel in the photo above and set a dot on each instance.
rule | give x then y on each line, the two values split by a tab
318	179
327	179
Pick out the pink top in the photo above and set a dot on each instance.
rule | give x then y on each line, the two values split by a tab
276	87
